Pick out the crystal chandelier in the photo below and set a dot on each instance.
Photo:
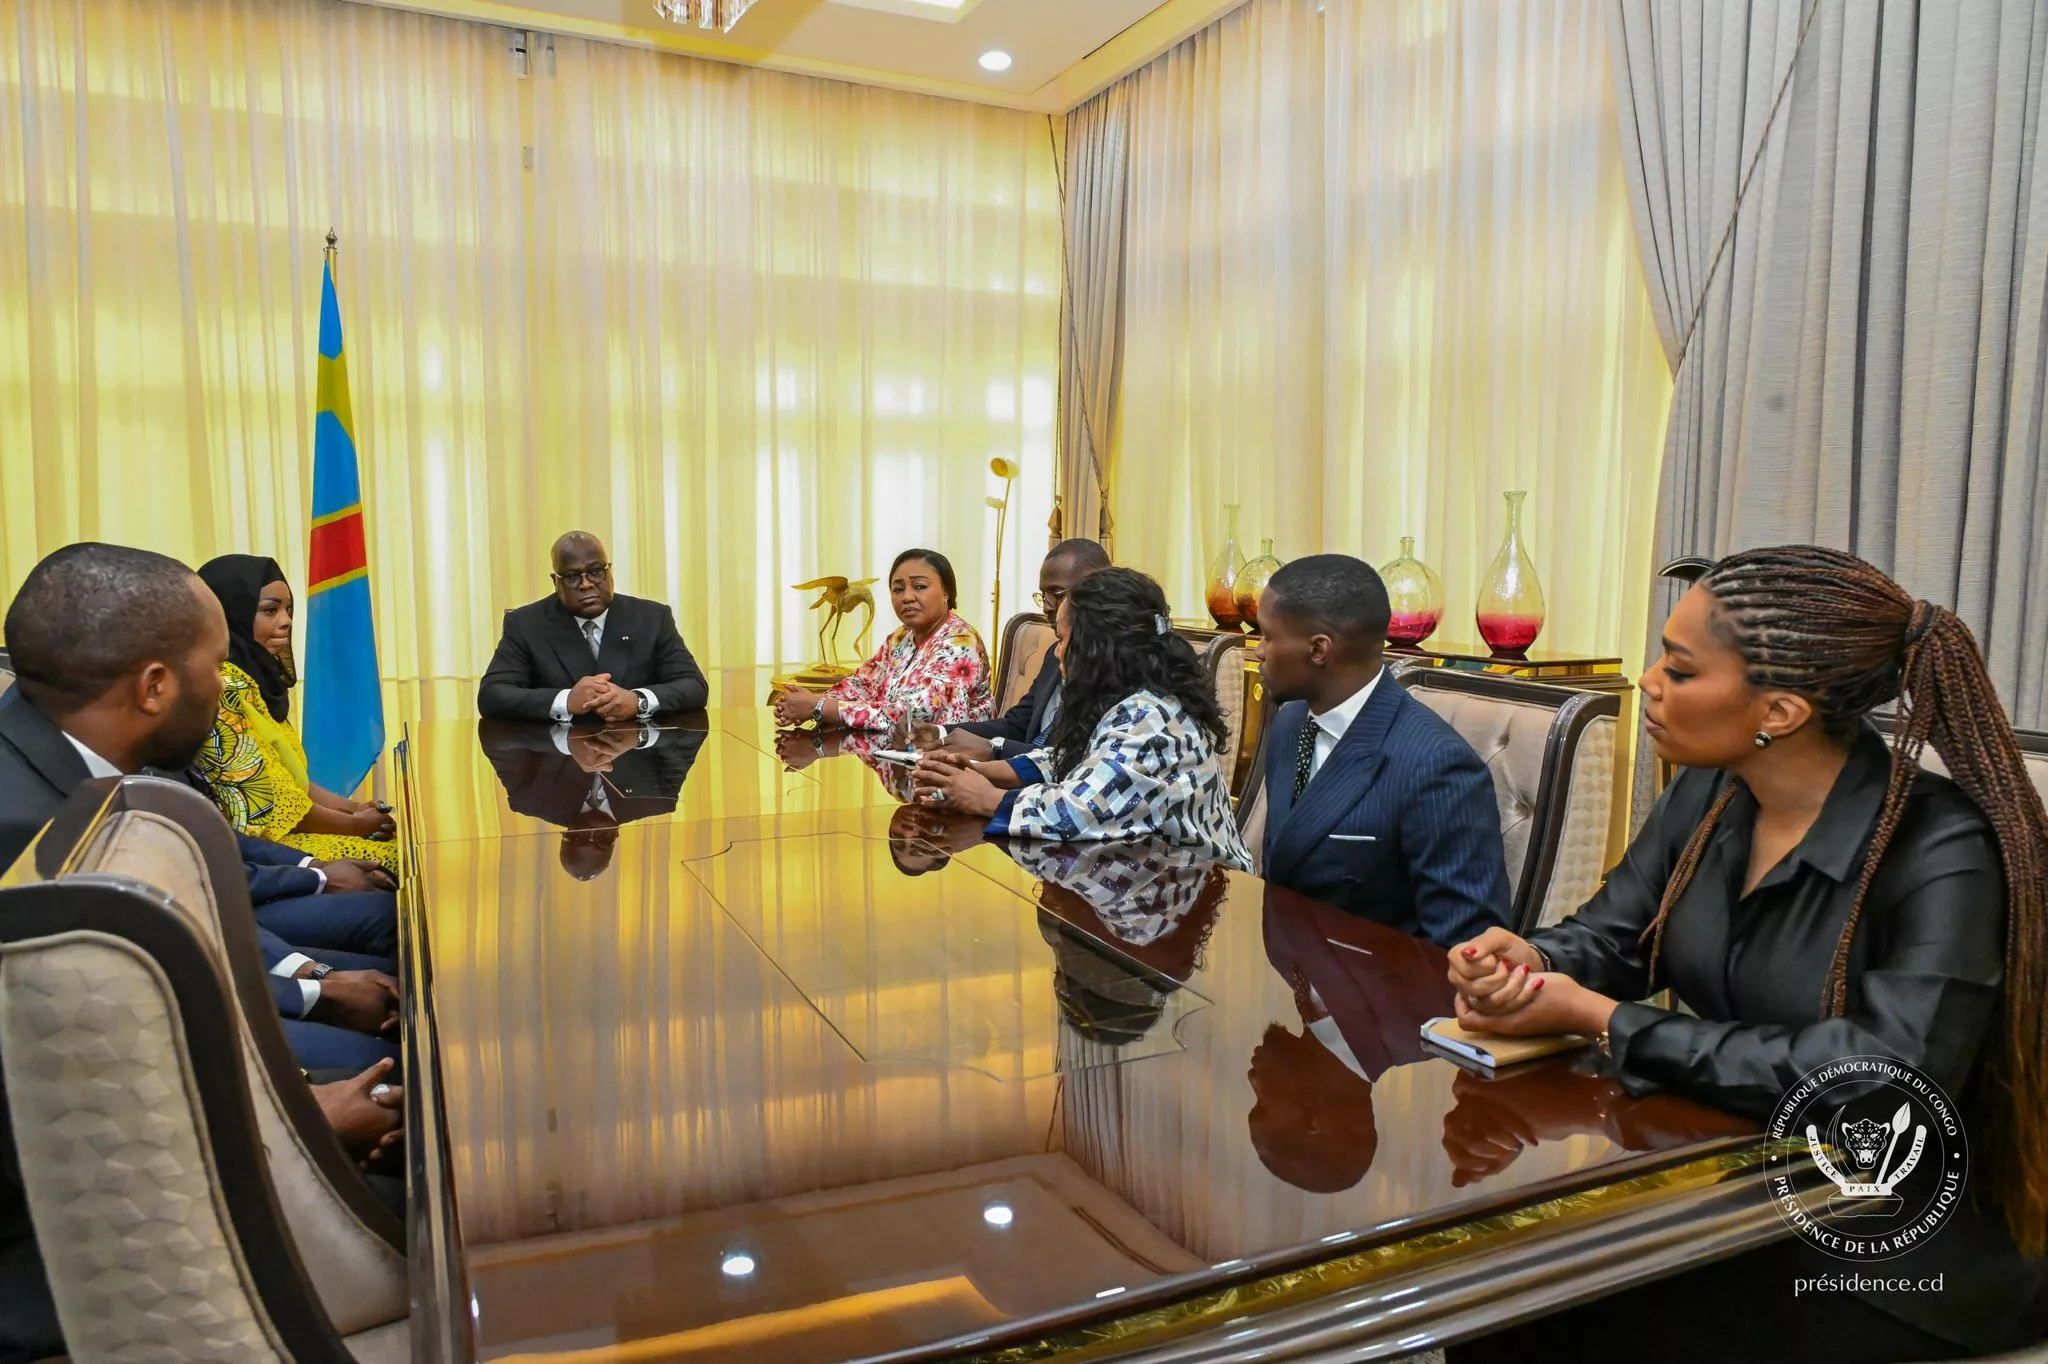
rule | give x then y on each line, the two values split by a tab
718	14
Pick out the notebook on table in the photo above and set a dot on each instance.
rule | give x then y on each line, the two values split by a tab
1493	1052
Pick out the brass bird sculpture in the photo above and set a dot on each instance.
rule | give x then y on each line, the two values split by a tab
841	596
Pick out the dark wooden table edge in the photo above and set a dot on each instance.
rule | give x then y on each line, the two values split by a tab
443	1326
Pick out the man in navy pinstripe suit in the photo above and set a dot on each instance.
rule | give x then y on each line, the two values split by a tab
1374	804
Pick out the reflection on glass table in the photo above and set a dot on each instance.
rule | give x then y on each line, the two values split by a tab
913	960
589	780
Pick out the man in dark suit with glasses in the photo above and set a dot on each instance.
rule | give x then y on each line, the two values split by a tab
589	652
1027	724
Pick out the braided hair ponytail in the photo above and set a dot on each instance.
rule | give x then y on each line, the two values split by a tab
1836	631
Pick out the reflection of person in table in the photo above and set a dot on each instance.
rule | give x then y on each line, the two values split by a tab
926	840
1362	992
566	774
1495	1118
1149	900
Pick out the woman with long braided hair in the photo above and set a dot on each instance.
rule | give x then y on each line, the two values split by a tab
1810	894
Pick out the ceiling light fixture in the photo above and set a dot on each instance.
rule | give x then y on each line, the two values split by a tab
718	14
995	60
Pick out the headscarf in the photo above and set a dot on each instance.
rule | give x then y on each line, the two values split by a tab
238	580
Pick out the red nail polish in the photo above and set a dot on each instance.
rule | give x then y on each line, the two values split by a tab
1539	984
1471	953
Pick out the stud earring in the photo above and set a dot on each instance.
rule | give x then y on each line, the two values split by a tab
1763	740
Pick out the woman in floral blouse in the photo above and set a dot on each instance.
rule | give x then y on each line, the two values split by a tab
933	668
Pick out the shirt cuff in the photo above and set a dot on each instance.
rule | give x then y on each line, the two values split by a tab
1628	1022
307	865
289	964
648	705
999	823
560	710
309	990
561	738
1028	772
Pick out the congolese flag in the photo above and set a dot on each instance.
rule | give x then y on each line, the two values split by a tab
344	717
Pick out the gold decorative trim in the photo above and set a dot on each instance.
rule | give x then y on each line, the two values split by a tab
1157	1325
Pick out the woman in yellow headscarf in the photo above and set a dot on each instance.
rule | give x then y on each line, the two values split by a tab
254	762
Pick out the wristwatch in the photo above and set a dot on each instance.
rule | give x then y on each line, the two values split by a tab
320	971
1602	1045
818	711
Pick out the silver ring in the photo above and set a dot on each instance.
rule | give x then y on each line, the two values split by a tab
379	1091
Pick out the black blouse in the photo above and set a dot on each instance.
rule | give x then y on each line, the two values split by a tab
1924	973
1924	981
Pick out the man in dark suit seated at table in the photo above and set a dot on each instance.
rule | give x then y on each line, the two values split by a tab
1374	804
1028	724
586	651
117	654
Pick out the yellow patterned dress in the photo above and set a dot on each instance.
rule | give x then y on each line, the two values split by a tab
257	769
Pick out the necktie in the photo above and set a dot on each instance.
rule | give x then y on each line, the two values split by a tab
590	633
1304	755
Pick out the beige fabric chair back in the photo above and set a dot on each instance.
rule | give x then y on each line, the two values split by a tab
1235	693
141	1158
2033	751
1025	640
1551	752
350	1246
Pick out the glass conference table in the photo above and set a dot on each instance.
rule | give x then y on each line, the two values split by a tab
718	1052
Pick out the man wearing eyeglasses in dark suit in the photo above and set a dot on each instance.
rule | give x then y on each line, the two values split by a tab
1025	725
588	652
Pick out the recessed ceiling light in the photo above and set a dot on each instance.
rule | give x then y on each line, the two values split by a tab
998	1215
737	1265
994	60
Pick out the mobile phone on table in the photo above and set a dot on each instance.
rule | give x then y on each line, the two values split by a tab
901	756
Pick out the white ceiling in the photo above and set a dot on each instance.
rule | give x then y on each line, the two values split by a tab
1063	51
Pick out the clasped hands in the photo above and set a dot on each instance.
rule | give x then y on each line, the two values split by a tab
950	780
599	695
1503	988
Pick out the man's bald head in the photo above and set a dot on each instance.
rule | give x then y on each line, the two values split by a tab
583	574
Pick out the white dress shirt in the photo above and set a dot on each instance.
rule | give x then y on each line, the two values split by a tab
560	710
1332	723
287	965
599	798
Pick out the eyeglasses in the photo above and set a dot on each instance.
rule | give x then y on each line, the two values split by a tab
1049	602
593	575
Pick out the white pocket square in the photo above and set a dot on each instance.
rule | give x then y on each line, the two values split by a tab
1354	838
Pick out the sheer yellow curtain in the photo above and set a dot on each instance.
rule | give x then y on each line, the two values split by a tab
1381	271
751	328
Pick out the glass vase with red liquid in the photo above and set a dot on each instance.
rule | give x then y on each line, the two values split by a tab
1220	596
1511	600
1416	595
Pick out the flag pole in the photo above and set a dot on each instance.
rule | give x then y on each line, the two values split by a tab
332	255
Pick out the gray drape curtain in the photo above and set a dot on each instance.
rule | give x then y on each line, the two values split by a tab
1095	192
1860	347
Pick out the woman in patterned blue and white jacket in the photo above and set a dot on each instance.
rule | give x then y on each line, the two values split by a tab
1133	752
